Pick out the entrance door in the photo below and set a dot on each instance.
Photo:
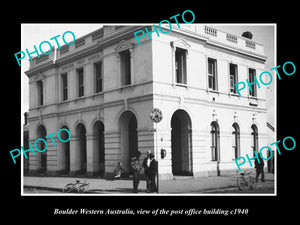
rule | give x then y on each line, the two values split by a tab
181	143
129	139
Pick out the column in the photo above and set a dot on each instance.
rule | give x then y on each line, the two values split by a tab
60	157
112	148
173	66
164	164
201	153
92	155
75	157
51	156
34	160
132	68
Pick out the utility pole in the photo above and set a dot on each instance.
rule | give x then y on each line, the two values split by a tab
156	117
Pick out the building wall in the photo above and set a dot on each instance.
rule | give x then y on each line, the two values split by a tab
153	86
204	106
106	106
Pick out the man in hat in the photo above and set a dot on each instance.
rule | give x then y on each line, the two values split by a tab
152	173
146	166
259	165
136	167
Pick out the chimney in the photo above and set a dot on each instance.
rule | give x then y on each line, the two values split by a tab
247	34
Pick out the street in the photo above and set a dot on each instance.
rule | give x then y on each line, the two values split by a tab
208	185
262	188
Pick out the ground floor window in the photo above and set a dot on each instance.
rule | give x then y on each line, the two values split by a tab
215	135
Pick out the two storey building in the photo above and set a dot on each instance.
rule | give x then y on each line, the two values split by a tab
103	87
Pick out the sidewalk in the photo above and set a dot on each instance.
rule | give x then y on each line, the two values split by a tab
181	185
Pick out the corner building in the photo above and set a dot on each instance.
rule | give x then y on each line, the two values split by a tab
104	86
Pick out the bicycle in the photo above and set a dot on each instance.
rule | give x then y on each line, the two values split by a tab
245	181
79	187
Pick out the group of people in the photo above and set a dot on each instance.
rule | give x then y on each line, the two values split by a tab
149	165
150	170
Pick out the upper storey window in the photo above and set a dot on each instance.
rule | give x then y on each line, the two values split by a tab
40	89
233	73
125	58
253	90
212	74
125	67
98	77
180	66
80	80
64	80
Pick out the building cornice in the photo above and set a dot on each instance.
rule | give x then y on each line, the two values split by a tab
77	55
191	35
45	66
110	39
236	50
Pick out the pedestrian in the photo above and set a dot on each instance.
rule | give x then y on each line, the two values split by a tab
136	167
259	169
146	166
118	170
152	173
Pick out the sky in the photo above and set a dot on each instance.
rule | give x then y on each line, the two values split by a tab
34	34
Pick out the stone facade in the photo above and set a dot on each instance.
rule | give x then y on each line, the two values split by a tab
103	87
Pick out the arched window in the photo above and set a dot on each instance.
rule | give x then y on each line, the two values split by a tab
235	140
215	136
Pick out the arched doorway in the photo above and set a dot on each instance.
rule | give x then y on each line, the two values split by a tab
129	139
98	147
42	158
65	154
254	138
181	146
81	135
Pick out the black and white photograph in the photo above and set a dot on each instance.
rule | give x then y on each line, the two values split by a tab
156	113
164	113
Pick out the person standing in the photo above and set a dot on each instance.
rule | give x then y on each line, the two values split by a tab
136	167
259	166
152	173
146	166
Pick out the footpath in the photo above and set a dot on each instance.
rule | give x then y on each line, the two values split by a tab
180	185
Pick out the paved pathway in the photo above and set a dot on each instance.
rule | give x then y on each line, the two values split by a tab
180	185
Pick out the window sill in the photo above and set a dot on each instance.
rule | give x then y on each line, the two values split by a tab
213	91
40	106
253	101
234	94
67	101
132	86
253	97
98	93
80	98
180	85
